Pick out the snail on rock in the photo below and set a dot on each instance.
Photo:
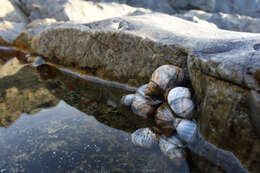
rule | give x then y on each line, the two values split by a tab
140	103
179	99
144	137
164	78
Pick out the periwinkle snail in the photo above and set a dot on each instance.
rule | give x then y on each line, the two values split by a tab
179	99
144	137
140	104
163	78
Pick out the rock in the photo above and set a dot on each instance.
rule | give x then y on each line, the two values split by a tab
9	31
11	12
223	67
74	10
232	22
254	105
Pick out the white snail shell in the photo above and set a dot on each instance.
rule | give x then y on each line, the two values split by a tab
187	130
172	147
144	137
127	100
142	106
38	62
164	115
151	100
164	77
179	99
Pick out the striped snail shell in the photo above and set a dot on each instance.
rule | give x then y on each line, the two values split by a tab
187	131
164	119
173	148
163	78
144	137
179	99
38	62
142	106
153	101
127	100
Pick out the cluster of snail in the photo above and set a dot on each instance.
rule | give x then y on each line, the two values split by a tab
173	109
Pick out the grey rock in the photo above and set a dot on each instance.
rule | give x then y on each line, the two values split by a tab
74	10
11	12
225	21
254	105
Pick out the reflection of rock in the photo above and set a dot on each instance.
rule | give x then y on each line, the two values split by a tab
21	92
74	10
232	22
9	31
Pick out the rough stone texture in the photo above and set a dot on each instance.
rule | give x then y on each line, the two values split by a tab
223	67
10	12
243	7
9	31
232	22
74	10
254	105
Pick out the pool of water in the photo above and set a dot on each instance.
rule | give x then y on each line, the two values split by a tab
53	121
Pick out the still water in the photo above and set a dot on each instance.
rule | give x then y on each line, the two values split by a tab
52	121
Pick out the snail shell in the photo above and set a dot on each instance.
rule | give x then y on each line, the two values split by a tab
187	130
153	101
172	147
142	107
38	62
179	99
144	137
165	119
163	78
127	100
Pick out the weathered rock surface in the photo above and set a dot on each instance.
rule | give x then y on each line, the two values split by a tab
223	66
225	21
74	10
243	7
10	12
9	31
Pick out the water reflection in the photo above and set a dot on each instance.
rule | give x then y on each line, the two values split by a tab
63	139
46	126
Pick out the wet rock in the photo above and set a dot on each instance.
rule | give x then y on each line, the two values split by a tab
254	105
9	31
74	10
11	12
233	22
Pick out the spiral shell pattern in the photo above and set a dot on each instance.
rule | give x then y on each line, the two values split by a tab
179	99
127	100
144	137
164	77
187	130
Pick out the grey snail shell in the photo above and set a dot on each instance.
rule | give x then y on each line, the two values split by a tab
172	147
144	137
163	78
164	119
179	99
187	131
143	105
127	100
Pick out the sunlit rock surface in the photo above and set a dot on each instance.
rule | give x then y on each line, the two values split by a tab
74	10
233	22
